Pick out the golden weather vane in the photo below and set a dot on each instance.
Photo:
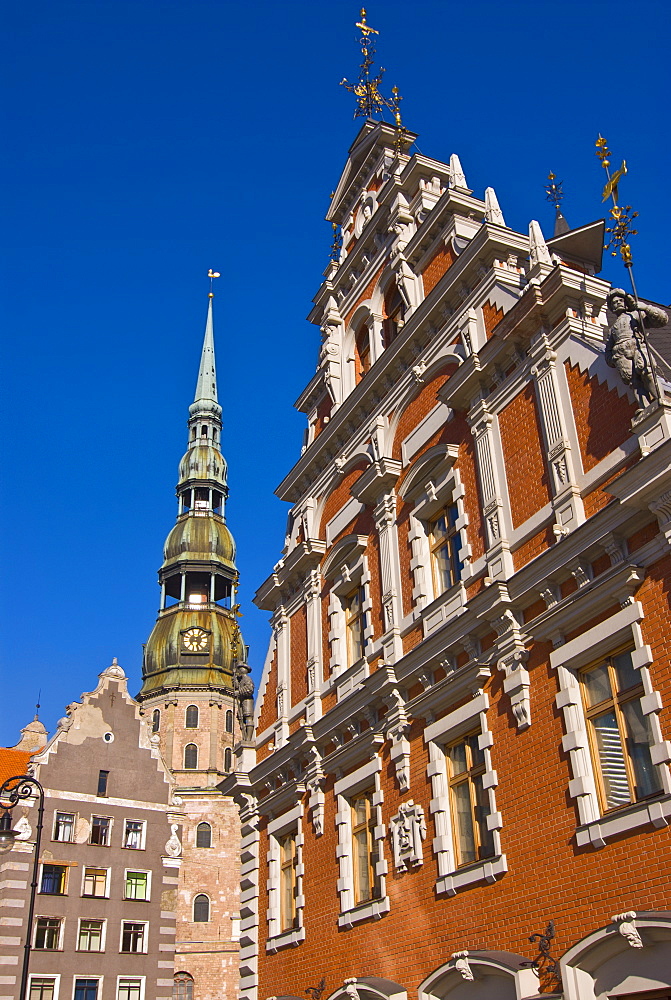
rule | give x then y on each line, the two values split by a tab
553	191
369	98
212	275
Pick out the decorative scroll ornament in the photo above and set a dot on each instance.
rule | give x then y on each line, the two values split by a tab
462	965
173	846
544	965
408	830
627	928
315	992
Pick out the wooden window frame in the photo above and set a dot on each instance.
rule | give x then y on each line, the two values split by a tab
98	872
468	777
63	883
368	825
134	936
73	819
614	703
352	621
87	920
451	540
288	921
56	924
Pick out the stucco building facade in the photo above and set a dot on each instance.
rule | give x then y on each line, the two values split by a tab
463	724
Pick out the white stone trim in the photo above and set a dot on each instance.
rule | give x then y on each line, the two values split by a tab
350	912
56	976
451	878
353	573
249	910
567	659
277	938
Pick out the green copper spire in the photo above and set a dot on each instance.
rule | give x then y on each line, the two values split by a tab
196	641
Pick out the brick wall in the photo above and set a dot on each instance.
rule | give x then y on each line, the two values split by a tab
439	264
526	472
602	417
298	637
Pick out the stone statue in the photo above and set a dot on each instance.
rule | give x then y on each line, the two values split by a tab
244	687
625	346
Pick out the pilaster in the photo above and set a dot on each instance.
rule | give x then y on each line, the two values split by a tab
491	476
390	576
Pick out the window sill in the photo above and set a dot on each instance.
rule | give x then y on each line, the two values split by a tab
488	870
45	892
656	812
374	909
287	939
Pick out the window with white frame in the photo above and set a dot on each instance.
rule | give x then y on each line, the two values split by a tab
467	844
285	880
95	882
438	523
134	934
54	879
91	935
134	834
101	829
130	989
64	827
201	909
43	988
88	988
346	569
48	932
363	869
620	778
136	885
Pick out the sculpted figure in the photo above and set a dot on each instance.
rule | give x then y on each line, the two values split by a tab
625	347
245	691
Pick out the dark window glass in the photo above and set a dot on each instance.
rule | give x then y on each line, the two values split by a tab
203	835
132	937
229	722
100	831
102	791
192	717
201	909
182	987
86	989
133	834
47	933
42	989
53	879
228	759
156	721
64	827
190	757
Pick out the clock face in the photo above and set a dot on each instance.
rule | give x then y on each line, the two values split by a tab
195	639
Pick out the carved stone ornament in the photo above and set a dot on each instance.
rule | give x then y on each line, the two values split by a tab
516	685
627	928
351	990
626	348
408	830
461	964
173	846
23	829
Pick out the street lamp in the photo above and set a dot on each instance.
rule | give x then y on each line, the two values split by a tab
14	790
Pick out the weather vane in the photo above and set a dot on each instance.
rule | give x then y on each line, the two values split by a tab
553	190
622	217
369	99
336	246
212	275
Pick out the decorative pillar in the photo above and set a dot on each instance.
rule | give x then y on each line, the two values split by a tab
280	624
491	475
390	576
313	708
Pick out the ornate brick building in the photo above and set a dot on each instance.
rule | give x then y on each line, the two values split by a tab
463	724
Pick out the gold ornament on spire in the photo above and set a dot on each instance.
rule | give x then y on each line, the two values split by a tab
212	275
369	99
622	217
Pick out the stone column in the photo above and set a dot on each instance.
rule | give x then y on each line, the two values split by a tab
390	576
313	611
492	478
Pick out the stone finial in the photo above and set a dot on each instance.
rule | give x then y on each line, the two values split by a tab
173	847
114	670
627	928
493	211
457	175
538	249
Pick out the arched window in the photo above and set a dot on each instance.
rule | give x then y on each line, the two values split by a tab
362	351
393	314
203	431
182	986
192	717
201	909
190	757
228	759
229	722
203	835
156	721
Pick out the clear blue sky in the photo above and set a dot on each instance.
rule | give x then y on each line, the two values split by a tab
147	141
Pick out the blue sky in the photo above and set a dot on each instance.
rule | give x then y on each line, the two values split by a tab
151	140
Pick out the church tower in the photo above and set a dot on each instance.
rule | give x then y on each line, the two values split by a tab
188	695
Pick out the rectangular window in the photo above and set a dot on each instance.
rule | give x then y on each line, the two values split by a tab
137	885
86	989
42	988
129	989
102	790
132	936
354	625
468	801
619	735
64	827
90	935
364	848
101	827
133	834
445	543
53	879
95	882
47	933
288	862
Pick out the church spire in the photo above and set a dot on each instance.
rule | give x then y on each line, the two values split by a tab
206	386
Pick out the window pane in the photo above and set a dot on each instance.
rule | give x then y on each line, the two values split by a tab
182	988
64	827
457	755
201	909
100	830
477	755
597	684
639	740
626	675
485	836
443	567
90	935
47	933
86	989
611	759
362	866
136	885
191	757
102	783
129	989
42	989
360	811
132	937
133	834
204	835
95	881
192	717
464	823
53	879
